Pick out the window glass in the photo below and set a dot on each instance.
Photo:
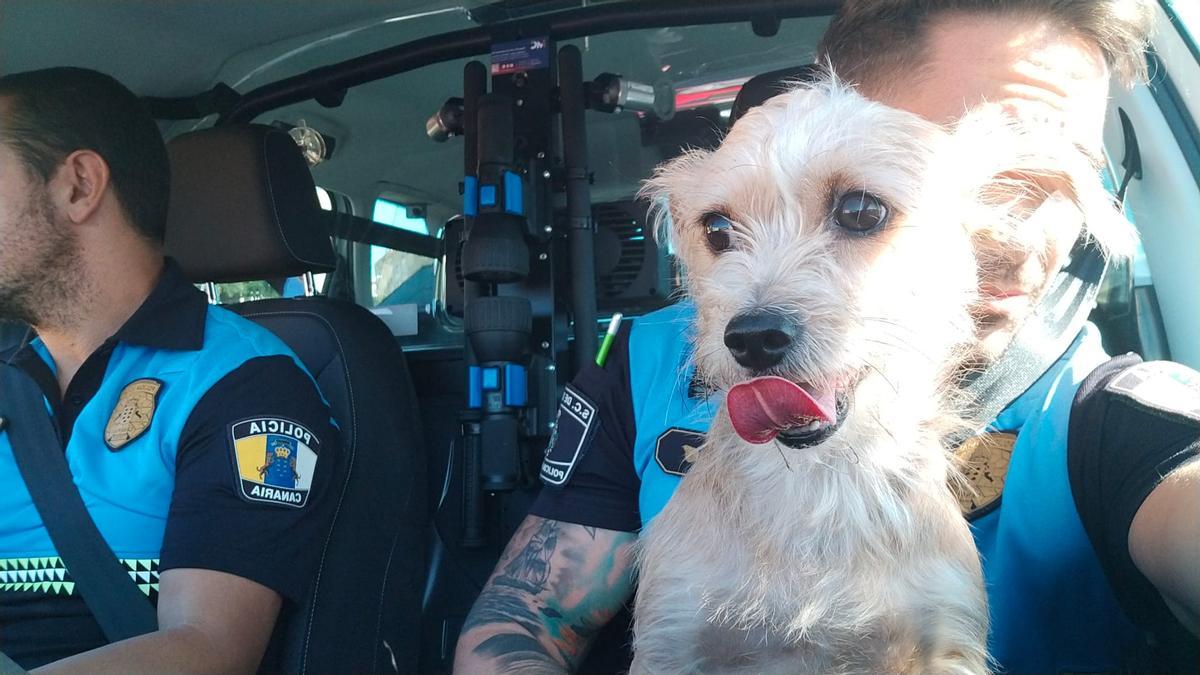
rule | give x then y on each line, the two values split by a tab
324	199
405	217
1187	12
397	277
246	291
326	202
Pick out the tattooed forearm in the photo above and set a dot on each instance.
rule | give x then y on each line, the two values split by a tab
517	653
529	570
554	588
498	606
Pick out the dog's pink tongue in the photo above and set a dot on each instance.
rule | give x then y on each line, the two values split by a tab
762	407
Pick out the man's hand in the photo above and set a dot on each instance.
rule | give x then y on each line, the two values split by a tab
1164	542
208	622
556	585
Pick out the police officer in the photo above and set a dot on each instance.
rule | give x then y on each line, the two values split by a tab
1082	543
200	446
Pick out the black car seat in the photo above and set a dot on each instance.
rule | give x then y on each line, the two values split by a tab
11	334
244	207
759	88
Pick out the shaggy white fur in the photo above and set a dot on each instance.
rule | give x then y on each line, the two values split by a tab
851	555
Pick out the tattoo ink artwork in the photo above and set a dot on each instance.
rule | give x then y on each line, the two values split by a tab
530	569
545	631
506	602
517	653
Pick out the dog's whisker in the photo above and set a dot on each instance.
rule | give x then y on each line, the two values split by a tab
786	463
901	345
746	165
898	343
883	427
828	466
890	322
879	372
686	367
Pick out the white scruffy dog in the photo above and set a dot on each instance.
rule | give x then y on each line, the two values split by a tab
829	250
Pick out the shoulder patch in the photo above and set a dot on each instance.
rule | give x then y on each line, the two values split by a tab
574	428
132	414
274	459
675	450
1163	387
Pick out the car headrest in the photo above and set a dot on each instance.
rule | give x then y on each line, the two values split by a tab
244	207
759	88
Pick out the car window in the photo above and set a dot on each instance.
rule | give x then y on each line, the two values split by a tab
398	277
1187	16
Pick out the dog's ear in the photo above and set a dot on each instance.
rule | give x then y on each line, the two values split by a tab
1006	170
1104	220
666	192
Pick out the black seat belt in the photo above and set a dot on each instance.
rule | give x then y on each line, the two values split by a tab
1043	338
120	608
7	667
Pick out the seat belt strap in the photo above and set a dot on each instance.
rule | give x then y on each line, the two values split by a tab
7	667
1043	338
120	608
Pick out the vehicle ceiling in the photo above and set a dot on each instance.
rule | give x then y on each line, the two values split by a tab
184	47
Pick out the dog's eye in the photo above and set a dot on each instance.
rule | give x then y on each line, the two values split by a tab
718	229
860	212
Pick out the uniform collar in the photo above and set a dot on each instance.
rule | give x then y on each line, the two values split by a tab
171	317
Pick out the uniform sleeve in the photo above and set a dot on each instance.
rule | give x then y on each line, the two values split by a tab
252	478
588	474
1131	424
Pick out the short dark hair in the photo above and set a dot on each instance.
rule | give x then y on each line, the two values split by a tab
47	114
870	40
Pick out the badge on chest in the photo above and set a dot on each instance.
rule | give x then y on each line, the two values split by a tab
984	461
133	413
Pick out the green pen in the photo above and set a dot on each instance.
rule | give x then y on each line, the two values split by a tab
613	327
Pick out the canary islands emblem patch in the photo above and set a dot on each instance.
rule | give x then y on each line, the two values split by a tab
133	413
274	459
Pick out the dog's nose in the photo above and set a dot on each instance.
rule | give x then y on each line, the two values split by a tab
759	340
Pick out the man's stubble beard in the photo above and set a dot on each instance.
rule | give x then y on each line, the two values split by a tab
1003	263
41	277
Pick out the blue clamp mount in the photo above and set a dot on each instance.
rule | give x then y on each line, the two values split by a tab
506	197
496	392
496	386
